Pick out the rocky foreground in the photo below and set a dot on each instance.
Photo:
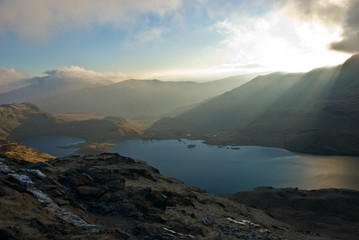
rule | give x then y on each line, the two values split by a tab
109	196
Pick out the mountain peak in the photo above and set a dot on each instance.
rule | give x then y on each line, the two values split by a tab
353	61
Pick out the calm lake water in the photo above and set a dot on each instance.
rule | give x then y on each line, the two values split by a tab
225	170
48	144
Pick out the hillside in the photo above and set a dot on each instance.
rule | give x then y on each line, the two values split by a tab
19	121
129	98
114	197
17	151
315	112
172	128
326	211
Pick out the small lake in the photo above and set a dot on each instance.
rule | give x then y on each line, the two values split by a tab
48	144
225	170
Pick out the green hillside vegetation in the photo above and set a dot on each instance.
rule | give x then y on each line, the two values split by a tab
314	112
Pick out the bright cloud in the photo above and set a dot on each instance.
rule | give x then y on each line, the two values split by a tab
76	73
341	13
10	79
281	40
40	19
11	74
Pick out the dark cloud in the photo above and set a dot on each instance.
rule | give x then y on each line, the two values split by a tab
343	13
328	12
350	41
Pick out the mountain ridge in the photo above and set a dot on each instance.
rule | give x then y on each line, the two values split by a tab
314	112
129	98
19	121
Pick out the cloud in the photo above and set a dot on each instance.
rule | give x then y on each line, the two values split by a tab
342	13
80	75
74	72
40	19
11	78
292	36
326	11
149	35
11	74
350	41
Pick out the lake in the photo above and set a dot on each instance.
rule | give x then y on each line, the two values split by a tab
225	170
48	144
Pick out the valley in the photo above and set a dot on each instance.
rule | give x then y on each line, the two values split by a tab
315	112
224	143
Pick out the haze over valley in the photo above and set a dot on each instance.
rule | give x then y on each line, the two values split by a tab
313	112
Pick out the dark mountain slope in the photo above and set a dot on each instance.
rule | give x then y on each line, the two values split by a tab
172	128
313	112
266	92
327	211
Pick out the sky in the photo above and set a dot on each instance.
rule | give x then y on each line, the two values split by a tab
173	39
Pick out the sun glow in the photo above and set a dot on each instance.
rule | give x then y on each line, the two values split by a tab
278	42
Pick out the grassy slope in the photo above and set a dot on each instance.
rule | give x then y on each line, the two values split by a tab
17	151
20	121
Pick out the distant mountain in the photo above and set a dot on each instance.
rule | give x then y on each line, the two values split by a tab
51	86
315	112
129	98
19	121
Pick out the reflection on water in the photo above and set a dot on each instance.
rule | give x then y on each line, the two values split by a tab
326	172
225	170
